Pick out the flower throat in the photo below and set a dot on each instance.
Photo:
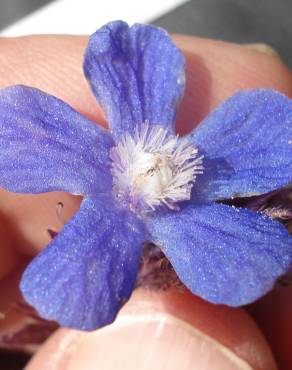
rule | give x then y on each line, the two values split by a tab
153	168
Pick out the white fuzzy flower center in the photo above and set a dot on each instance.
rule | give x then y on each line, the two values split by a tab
154	168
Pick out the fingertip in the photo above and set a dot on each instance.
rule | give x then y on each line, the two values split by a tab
50	63
217	69
167	330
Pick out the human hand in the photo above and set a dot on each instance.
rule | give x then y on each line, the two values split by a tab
154	330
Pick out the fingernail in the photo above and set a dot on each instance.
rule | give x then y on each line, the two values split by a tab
262	48
156	341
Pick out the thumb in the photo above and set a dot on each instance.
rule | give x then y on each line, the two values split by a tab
167	330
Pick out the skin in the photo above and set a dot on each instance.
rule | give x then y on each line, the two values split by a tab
166	330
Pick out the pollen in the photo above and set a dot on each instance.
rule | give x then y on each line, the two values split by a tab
154	168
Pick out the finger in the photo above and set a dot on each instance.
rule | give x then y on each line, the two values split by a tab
50	63
215	70
28	218
9	257
167	330
273	314
11	317
20	328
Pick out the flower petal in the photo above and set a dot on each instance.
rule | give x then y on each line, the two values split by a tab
225	255
89	270
247	144
45	145
136	74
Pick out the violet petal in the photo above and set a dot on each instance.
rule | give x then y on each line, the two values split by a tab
45	145
223	254
89	270
136	74
247	143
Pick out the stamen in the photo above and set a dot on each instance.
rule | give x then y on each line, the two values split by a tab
154	168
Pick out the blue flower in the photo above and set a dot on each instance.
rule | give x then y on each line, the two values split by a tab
143	183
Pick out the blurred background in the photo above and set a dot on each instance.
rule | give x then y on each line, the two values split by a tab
242	21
